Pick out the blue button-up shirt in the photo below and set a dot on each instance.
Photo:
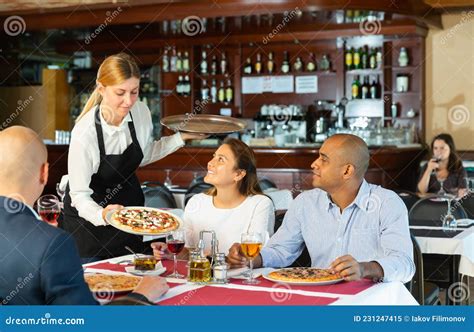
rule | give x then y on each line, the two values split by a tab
374	227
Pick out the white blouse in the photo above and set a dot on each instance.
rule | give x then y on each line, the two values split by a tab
254	214
84	154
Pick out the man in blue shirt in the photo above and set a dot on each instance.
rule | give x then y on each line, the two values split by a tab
356	229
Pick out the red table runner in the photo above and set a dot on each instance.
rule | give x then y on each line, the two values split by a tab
209	295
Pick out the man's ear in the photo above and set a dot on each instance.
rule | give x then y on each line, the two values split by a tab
44	173
349	171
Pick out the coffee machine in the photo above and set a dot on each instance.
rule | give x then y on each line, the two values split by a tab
286	123
318	120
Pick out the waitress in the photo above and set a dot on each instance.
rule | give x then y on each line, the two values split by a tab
111	139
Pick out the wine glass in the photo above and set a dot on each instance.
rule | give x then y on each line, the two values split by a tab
441	191
449	221
48	207
175	242
168	182
250	245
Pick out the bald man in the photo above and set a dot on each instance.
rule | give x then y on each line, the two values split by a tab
40	263
356	229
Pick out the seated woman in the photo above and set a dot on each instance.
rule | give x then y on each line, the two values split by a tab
233	206
445	167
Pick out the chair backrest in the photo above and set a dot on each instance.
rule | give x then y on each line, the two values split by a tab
281	198
416	285
266	183
158	196
196	189
196	180
408	197
429	210
467	203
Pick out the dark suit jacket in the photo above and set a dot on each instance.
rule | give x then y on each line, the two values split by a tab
39	264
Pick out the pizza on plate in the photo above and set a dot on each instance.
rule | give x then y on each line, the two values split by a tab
111	283
145	220
303	274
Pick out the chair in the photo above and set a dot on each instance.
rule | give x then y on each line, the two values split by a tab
196	180
467	203
196	189
408	197
158	196
281	198
430	210
304	259
426	293
266	183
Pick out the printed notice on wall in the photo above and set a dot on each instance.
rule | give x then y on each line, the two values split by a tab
282	84
306	84
252	85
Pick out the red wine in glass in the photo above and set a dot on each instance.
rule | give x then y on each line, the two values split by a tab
175	246
49	216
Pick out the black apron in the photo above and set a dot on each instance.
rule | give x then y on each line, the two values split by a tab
114	183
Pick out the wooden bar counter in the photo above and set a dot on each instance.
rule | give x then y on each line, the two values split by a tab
391	167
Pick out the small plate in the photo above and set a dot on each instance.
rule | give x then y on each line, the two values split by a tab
303	283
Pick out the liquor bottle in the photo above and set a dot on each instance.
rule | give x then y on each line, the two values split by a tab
179	86
186	66
378	57
285	65
365	88
348	60
355	87
311	65
364	58
378	89
203	62
248	67
213	91
403	57
270	63
223	64
298	65
179	63
325	64
373	59
214	65
373	90
229	92
173	60
221	93
165	62
204	90
258	64
356	58
186	87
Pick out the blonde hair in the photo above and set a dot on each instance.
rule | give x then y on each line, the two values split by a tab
115	69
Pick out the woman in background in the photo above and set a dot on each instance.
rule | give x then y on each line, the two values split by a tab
444	168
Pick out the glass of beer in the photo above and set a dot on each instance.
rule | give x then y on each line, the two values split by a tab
175	242
250	245
49	209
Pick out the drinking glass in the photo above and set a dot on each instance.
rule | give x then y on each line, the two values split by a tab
449	221
251	244
175	242
168	182
48	207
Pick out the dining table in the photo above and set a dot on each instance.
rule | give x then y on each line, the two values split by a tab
268	293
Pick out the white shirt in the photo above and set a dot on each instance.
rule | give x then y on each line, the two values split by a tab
84	154
254	214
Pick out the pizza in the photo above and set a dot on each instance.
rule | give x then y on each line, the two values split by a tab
111	283
144	220
303	274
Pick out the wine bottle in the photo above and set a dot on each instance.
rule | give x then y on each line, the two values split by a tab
186	66
355	87
213	92
165	62
229	92
221	93
311	65
348	58
258	64
223	64
365	88
270	63
203	65
214	65
179	63
179	86
204	91
248	67
356	58
285	66
173	60
298	65
364	58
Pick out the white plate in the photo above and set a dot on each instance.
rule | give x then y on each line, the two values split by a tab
159	269
302	283
108	219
